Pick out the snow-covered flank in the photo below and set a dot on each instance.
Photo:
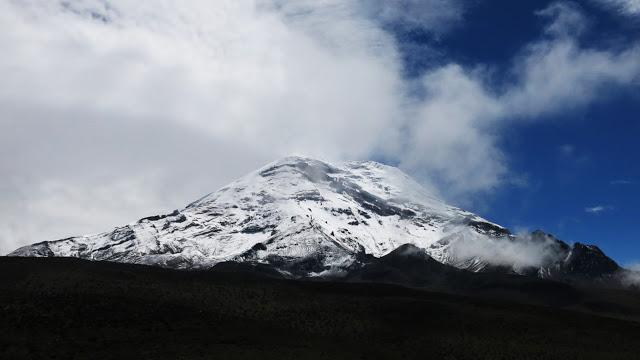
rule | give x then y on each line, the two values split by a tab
291	210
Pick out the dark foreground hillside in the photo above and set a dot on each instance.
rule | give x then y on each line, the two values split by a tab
70	309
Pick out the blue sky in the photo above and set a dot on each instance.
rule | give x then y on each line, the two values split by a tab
579	171
522	111
581	176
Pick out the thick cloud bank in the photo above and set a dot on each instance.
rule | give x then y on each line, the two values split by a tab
113	109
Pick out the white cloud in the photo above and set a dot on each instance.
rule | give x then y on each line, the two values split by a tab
598	209
520	252
98	93
450	135
246	76
62	208
631	276
595	209
453	134
624	7
198	92
560	75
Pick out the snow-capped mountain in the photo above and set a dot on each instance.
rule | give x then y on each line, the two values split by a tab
309	218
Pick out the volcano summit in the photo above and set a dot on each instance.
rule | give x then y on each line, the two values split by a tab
308	218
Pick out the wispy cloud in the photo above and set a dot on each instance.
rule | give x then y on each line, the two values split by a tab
523	251
621	182
631	276
598	209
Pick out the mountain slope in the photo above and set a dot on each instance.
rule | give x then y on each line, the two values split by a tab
306	217
292	207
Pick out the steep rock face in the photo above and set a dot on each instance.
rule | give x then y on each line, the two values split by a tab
306	217
406	265
589	260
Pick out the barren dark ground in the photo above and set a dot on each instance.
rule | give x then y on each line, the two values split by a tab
53	308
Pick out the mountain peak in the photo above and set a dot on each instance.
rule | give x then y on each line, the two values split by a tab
292	207
294	160
307	217
589	260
